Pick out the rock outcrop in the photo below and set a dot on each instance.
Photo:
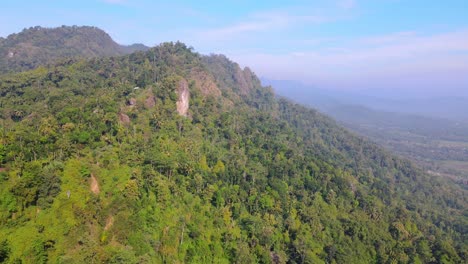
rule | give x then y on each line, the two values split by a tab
184	97
244	80
150	101
124	119
205	82
94	185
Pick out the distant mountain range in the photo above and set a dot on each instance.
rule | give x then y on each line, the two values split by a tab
38	45
453	108
432	132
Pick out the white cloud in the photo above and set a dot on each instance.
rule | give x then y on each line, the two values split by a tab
115	1
262	22
389	38
357	60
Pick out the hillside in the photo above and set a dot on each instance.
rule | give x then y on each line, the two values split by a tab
167	156
37	46
437	144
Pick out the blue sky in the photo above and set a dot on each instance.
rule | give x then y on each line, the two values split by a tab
337	44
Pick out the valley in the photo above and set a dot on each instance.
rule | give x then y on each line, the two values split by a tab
439	145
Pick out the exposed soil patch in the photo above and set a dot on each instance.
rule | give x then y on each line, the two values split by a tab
94	185
109	222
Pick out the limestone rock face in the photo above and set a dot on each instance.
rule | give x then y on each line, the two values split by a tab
184	97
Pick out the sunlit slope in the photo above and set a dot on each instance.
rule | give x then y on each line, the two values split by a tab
98	165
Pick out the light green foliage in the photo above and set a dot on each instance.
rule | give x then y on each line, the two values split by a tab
244	178
219	167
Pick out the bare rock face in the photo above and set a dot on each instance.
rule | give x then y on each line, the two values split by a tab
184	96
150	102
132	102
205	82
124	119
249	76
244	80
94	186
109	222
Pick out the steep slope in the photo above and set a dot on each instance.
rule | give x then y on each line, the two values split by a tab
38	46
97	165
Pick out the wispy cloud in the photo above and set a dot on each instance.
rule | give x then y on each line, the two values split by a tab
389	38
346	4
397	54
262	22
411	45
115	2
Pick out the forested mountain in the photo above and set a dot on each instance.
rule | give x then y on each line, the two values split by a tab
167	156
453	108
37	46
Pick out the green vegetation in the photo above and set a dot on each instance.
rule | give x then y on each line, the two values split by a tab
433	133
38	46
438	145
98	167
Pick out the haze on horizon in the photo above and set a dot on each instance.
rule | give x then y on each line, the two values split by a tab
417	48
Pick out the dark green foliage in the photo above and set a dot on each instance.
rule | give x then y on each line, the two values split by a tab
38	46
4	251
96	174
2	153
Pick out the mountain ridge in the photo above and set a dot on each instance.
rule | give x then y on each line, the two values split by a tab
240	177
452	108
38	46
